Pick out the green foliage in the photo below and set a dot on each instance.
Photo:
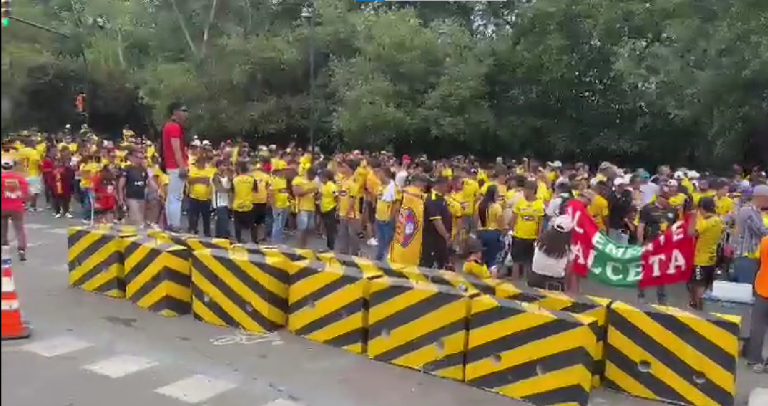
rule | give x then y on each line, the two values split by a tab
679	81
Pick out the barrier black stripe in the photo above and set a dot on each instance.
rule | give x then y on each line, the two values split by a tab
76	236
239	302
560	395
655	385
198	296
690	336
516	339
173	250
481	285
412	313
173	304
668	358
491	315
526	296
530	369
449	360
725	324
112	284
92	249
326	290
292	255
306	272
252	284
161	275
271	270
600	331
98	268
580	307
387	293
424	340
142	264
339	314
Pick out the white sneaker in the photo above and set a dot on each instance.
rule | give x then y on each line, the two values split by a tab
372	242
69	215
84	221
57	215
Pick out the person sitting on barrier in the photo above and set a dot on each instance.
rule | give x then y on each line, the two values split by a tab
552	256
474	264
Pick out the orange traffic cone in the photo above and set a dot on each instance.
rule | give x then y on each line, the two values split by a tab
13	326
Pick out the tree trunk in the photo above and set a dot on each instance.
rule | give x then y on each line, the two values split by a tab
184	27
207	30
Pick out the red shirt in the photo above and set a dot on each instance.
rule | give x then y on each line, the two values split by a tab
105	194
172	130
61	180
47	168
15	191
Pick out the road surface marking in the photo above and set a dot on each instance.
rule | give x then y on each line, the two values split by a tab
195	389
282	402
56	346
33	226
121	365
62	231
246	337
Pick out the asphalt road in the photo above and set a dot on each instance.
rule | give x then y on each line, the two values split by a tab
89	350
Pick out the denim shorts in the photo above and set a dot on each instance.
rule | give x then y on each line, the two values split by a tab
305	220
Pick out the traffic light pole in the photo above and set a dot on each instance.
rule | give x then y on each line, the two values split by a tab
82	55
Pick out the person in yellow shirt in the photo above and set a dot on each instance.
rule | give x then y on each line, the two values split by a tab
328	202
243	186
475	263
598	209
371	186
490	223
386	208
200	194
304	190
526	225
261	197
280	200
350	194
708	232
724	206
30	161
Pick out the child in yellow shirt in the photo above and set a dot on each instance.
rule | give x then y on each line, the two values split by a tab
474	263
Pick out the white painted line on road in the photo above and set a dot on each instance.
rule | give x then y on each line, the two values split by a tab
62	231
56	346
283	402
33	226
121	365
195	389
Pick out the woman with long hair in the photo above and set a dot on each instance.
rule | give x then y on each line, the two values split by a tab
552	256
490	221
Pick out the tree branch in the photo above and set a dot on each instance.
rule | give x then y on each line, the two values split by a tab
207	30
184	27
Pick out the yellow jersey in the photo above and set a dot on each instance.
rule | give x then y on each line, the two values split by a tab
279	187
529	216
349	198
493	213
242	186
598	210
30	161
328	196
305	202
200	191
709	230
261	194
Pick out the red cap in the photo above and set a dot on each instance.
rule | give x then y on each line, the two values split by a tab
406	158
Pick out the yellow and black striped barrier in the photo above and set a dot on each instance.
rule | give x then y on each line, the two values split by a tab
233	288
524	352
672	355
592	306
289	260
326	304
157	276
95	259
418	325
189	241
369	268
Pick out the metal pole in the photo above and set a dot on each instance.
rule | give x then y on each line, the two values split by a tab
312	118
39	26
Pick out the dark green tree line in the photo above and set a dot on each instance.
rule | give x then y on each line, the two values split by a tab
678	81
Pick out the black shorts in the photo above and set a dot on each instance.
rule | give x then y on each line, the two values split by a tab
703	275
522	251
102	212
546	282
243	219
259	213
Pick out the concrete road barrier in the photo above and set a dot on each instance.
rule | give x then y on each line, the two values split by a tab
672	355
157	276
524	352
233	288
95	259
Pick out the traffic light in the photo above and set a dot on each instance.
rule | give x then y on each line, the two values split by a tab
80	103
6	12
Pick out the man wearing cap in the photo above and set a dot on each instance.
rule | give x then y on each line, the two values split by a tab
436	239
15	191
174	158
750	229
619	207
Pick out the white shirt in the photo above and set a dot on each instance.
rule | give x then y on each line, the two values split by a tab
221	199
543	264
400	178
648	191
389	195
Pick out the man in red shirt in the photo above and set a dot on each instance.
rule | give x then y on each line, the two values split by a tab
14	192
174	157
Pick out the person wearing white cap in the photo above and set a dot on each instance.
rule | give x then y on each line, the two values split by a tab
620	202
551	257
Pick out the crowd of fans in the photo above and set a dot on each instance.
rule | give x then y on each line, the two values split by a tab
501	219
